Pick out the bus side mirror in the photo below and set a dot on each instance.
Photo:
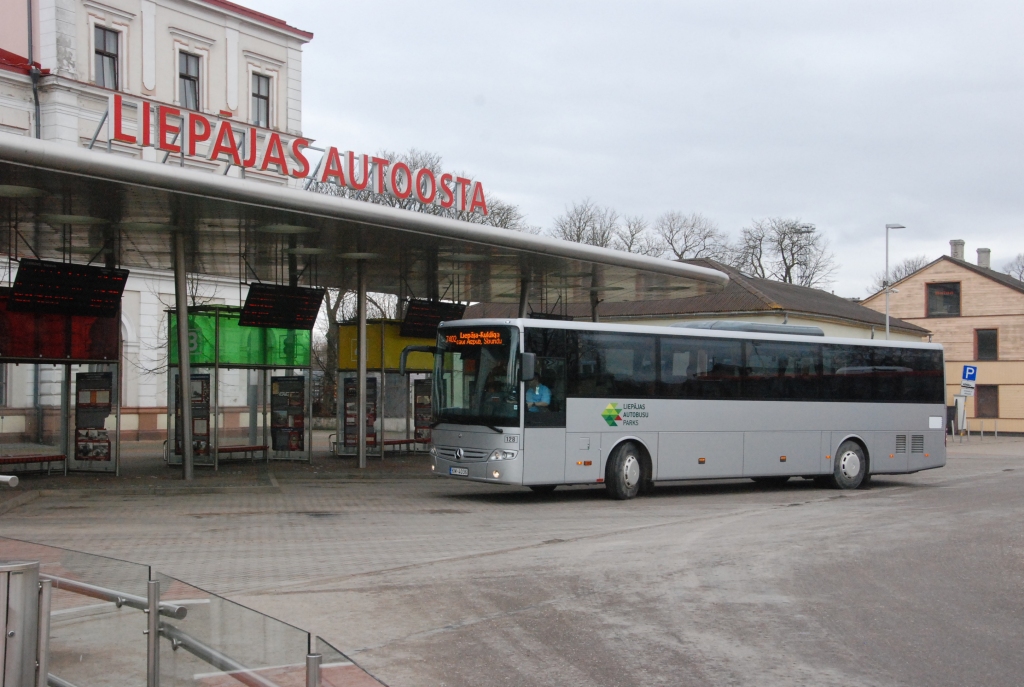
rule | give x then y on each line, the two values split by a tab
413	349
529	366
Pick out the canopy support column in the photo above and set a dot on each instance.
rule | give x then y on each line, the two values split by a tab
184	366
361	363
524	295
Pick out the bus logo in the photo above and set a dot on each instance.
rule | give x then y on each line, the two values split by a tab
611	415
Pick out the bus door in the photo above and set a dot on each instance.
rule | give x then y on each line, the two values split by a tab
544	440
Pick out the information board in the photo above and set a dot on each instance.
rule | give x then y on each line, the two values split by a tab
421	409
352	403
283	307
93	405
288	413
422	317
63	288
199	391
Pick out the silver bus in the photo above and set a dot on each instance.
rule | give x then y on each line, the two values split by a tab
543	403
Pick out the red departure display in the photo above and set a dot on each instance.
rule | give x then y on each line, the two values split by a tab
56	338
281	307
63	288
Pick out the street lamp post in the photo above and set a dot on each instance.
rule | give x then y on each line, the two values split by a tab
885	282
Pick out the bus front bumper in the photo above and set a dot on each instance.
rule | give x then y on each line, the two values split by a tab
493	471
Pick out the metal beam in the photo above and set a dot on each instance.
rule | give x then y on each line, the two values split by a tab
184	364
524	295
361	363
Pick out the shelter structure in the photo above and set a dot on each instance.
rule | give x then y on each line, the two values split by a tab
160	216
217	342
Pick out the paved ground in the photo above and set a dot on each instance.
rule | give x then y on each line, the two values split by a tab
917	581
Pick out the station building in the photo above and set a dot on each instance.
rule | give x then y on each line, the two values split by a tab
209	56
745	299
977	313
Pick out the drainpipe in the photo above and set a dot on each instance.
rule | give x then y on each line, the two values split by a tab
33	70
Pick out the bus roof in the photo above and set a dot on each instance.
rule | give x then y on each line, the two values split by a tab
683	331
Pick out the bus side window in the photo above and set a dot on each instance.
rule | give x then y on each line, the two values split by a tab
712	367
550	347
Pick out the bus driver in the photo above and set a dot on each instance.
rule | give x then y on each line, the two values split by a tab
538	396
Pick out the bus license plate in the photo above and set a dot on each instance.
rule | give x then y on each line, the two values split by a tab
459	471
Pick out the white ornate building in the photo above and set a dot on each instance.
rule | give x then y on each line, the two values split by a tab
213	56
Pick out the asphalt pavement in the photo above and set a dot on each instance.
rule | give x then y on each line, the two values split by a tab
918	580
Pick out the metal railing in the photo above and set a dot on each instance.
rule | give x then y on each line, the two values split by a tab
155	629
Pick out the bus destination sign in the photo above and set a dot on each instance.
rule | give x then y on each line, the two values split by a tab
475	337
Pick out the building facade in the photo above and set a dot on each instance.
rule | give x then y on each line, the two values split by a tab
209	56
977	314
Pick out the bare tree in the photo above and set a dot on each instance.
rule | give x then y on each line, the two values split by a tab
634	236
785	250
586	222
508	216
692	236
900	270
1015	268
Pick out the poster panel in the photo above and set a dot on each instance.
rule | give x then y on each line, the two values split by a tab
93	405
288	413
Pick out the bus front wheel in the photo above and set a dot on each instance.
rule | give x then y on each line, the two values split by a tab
850	469
625	472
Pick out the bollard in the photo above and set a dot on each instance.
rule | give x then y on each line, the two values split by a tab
153	634
43	640
313	670
9	480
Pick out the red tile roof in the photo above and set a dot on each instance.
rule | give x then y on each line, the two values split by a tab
16	63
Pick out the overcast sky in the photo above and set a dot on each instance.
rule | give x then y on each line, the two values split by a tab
848	115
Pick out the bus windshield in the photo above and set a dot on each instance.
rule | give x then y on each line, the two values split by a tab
476	376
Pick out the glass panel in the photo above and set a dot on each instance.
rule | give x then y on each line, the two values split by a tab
220	639
92	640
549	346
240	346
337	669
944	300
111	42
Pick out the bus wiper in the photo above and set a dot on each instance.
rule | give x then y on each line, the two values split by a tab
499	430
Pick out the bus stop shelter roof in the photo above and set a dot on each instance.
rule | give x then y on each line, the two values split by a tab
66	203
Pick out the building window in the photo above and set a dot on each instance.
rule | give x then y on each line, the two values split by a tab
944	300
986	401
261	100
188	80
106	57
987	343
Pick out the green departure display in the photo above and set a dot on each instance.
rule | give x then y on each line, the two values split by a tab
239	346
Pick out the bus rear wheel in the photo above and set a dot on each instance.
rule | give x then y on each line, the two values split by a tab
625	473
850	468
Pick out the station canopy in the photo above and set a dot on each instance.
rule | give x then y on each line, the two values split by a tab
74	204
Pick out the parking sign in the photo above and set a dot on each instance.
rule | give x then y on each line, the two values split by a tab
968	380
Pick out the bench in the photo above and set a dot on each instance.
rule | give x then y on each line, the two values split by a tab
243	449
29	460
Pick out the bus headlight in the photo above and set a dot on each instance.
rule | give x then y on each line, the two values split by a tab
501	454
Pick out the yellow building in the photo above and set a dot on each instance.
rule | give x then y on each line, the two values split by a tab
978	315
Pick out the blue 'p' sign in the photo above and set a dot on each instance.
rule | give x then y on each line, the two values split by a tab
970	373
